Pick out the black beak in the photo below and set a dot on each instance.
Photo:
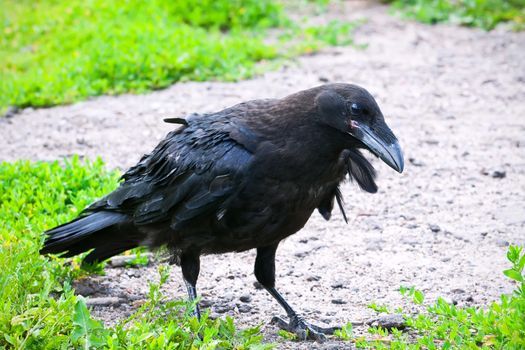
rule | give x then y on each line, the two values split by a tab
389	152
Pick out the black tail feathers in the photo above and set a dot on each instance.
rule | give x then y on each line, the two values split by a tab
109	233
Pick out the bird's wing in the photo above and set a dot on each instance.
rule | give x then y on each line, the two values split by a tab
191	172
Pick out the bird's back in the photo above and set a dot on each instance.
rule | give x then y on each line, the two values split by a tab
222	185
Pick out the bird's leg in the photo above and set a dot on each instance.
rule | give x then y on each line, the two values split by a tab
192	295
297	324
265	274
190	264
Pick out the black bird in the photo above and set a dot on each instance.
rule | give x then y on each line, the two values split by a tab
245	177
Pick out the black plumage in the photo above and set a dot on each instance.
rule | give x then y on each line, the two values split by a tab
242	178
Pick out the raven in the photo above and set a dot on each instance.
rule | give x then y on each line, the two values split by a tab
242	178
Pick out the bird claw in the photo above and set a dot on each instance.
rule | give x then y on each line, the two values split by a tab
303	329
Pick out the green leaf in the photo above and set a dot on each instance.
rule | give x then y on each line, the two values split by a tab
513	274
521	262
419	297
403	290
346	332
88	332
287	335
513	253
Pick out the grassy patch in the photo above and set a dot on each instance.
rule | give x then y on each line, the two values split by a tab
485	14
38	309
34	197
162	324
501	325
57	52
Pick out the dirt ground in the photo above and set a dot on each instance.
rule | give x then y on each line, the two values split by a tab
455	97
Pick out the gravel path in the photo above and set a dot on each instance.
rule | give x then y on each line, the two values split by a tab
454	97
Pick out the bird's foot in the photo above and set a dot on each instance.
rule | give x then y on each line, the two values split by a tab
303	329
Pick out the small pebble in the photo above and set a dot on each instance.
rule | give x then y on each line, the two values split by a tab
334	346
337	285
499	174
302	253
104	301
245	298
434	228
131	273
221	308
244	308
86	289
205	303
313	278
389	321
415	162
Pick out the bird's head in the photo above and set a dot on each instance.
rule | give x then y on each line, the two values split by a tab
353	111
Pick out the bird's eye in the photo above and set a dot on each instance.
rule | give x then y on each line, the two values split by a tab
355	109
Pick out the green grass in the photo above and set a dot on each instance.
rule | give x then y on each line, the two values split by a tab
500	325
34	197
485	14
56	52
38	309
162	324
